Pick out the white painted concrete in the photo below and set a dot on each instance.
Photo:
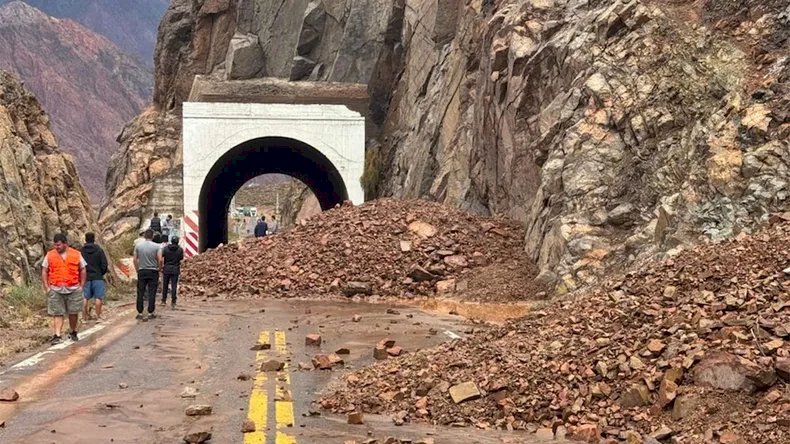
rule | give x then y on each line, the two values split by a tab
212	129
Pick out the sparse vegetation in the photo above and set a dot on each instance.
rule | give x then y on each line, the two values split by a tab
25	301
372	175
121	247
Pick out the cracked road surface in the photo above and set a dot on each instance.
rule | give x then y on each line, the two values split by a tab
75	394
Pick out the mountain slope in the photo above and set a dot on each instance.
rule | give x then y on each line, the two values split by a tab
86	83
130	24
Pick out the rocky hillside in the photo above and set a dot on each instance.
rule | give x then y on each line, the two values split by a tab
130	24
612	129
89	86
40	192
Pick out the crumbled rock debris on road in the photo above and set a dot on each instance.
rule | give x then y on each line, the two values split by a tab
694	349
361	252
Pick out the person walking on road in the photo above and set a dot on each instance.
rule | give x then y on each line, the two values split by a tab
261	228
172	255
63	275
95	288
273	225
156	223
147	262
167	227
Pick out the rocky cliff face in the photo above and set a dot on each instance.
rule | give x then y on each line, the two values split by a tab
90	87
613	129
40	192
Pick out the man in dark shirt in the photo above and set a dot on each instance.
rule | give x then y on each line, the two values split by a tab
261	228
97	267
156	224
172	255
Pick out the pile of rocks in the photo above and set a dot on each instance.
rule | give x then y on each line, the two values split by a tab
394	248
696	349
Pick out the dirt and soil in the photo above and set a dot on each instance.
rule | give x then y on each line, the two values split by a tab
385	248
694	349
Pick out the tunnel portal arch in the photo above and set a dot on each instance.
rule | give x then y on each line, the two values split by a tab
227	144
256	157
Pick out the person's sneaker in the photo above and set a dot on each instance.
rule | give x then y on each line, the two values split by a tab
73	336
173	306
151	315
55	340
139	316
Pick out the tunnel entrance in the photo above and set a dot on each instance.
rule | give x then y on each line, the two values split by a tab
256	157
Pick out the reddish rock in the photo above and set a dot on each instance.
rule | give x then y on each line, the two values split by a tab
248	426
313	340
586	433
394	351
355	418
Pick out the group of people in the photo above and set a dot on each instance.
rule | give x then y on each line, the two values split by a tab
262	228
157	251
73	279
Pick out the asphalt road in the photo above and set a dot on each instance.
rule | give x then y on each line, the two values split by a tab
124	383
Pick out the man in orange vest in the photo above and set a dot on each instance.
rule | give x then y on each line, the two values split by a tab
63	274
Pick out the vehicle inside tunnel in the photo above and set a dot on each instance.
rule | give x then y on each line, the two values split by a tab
254	158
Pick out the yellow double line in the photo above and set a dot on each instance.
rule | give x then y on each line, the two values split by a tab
258	411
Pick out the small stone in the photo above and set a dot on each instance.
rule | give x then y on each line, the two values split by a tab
638	395
272	365
261	346
248	426
663	432
355	418
405	246
8	395
244	377
636	363
123	386
667	392
588	433
189	392
445	287
198	410
456	261
355	288
656	346
356	318
313	340
464	392
730	437
197	437
343	351
394	351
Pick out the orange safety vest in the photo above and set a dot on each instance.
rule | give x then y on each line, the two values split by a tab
64	272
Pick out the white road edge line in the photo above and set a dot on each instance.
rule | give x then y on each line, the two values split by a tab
38	357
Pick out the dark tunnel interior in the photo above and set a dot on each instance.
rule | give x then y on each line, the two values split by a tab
254	158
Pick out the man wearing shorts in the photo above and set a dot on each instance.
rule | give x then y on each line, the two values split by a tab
63	274
95	288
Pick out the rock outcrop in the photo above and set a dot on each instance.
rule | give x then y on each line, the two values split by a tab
613	129
88	85
40	192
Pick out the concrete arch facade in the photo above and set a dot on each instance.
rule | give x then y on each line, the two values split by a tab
225	143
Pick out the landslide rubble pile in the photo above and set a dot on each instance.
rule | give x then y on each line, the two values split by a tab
694	349
385	248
